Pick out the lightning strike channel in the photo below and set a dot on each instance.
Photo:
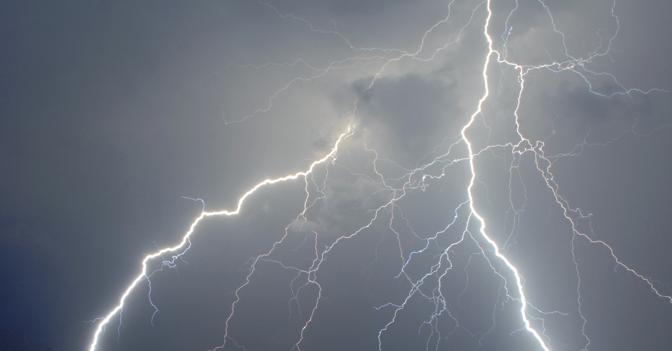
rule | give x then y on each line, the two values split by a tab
470	188
180	247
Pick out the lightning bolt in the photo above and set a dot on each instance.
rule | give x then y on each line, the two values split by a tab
180	248
472	167
418	178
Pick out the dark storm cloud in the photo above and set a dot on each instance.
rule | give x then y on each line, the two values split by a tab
111	111
405	116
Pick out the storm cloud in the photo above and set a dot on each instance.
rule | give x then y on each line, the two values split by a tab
122	120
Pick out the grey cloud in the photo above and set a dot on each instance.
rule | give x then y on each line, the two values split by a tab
406	116
111	111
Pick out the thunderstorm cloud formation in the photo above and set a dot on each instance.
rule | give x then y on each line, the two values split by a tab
336	175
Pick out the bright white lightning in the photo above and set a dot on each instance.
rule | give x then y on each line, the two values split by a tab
183	244
474	212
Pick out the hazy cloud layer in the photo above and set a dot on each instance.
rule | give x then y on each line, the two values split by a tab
116	115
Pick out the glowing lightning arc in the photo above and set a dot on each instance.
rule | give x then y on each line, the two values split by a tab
102	322
472	180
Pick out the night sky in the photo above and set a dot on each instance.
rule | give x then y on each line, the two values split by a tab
121	121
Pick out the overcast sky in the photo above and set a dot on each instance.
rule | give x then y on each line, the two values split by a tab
121	120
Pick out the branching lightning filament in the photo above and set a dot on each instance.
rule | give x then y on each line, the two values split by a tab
466	219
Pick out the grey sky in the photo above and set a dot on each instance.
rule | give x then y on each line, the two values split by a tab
114	112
